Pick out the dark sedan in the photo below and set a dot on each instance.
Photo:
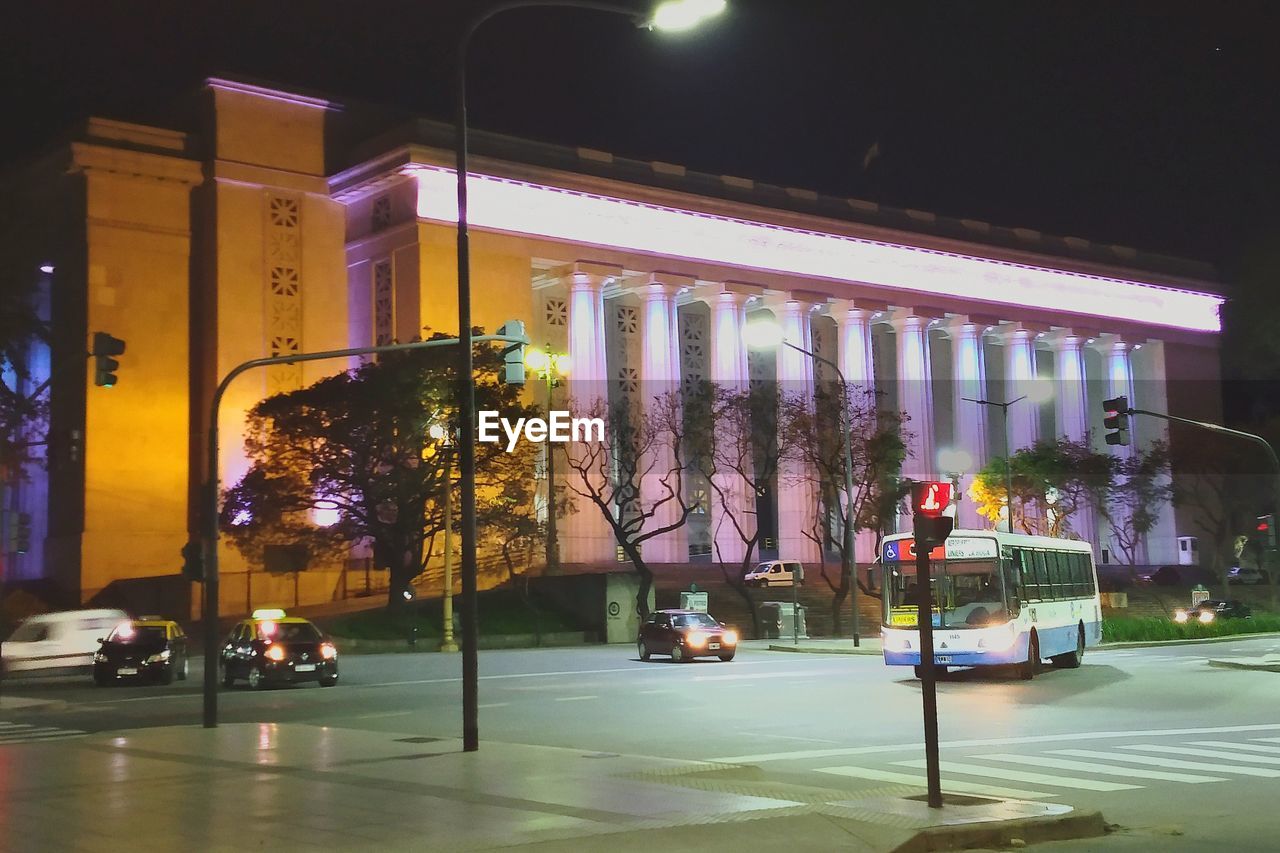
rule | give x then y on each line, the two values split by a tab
685	635
273	648
1212	610
149	648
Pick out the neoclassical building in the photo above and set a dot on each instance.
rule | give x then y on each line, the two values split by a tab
261	222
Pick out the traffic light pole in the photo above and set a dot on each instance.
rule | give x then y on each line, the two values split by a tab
210	603
928	674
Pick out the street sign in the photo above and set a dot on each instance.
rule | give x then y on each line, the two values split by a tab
1199	594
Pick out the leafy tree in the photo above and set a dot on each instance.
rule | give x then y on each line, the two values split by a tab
1051	480
358	442
639	447
877	448
1139	491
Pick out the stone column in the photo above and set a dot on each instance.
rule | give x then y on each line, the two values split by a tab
1071	410
915	392
659	377
1020	372
1118	379
797	491
585	535
969	380
856	363
729	500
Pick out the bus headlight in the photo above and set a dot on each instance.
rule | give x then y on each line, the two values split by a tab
896	641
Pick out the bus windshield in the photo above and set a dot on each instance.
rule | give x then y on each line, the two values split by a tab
966	594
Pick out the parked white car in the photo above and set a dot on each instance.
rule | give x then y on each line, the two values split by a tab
775	573
65	640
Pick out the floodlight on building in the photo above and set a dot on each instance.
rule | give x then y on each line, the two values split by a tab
674	16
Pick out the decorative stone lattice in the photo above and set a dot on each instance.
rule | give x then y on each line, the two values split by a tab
556	312
384	313
381	217
693	348
628	319
283	240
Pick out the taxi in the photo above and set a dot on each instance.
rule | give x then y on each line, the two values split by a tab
149	648
273	648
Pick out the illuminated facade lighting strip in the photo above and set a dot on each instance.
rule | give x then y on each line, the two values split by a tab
535	210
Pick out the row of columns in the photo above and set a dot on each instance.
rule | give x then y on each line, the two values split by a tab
586	536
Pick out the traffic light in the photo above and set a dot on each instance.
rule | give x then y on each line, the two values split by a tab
930	501
513	355
105	367
1265	533
22	533
1117	419
193	562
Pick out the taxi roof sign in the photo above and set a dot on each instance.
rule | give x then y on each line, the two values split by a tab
269	613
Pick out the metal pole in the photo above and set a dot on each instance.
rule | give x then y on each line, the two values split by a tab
1008	465
928	675
553	540
448	644
795	610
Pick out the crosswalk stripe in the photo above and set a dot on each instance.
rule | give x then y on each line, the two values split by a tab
1171	763
58	736
1207	753
1021	776
1104	769
1267	739
39	731
1252	747
948	785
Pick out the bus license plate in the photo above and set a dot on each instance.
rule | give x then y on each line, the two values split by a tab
305	667
942	658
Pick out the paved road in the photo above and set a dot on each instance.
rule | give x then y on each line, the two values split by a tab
1179	754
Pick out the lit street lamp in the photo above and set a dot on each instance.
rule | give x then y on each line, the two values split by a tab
672	15
551	366
766	334
441	435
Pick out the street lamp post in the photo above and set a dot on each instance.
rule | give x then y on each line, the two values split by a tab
551	366
1041	391
766	334
669	15
447	643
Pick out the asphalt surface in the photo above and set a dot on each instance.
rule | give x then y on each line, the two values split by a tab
1178	754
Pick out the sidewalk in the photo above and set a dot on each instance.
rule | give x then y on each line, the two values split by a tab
285	786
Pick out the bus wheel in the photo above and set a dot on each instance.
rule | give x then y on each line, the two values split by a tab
1071	660
1027	670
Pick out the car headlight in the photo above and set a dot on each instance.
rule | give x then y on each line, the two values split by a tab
730	638
159	657
275	653
1207	616
328	651
99	657
1179	616
696	638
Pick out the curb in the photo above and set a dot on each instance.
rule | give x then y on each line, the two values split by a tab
1001	834
1272	666
824	651
1190	641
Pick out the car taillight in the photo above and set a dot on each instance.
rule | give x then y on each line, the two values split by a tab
275	653
327	651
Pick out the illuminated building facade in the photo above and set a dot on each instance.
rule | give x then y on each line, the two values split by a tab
262	222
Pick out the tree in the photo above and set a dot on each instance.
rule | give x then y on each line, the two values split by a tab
639	447
1139	491
23	397
728	449
1053	479
813	435
358	442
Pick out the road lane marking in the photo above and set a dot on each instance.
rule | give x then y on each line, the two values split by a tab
1104	769
949	785
803	754
1268	739
574	698
1206	753
1251	747
1172	763
555	673
494	705
651	692
791	737
1020	776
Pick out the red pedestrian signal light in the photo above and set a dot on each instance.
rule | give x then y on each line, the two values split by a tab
930	499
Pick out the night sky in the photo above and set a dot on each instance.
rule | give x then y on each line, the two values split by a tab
1153	124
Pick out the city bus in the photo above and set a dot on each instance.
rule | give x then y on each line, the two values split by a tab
999	599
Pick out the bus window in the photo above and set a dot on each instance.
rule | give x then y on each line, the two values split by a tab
1079	575
1060	572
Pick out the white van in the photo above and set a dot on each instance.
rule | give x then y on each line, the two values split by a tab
775	573
63	640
